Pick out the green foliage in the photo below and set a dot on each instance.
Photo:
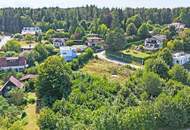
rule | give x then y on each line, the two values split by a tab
166	55
16	97
136	19
152	83
12	45
47	120
131	29
115	40
185	17
143	31
158	66
176	45
179	74
53	80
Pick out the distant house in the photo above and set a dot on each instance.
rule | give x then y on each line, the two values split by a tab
58	42
10	84
178	26
154	43
68	53
79	48
28	77
181	58
94	41
27	48
31	30
14	63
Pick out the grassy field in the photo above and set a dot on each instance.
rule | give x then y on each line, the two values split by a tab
26	44
32	116
106	69
136	53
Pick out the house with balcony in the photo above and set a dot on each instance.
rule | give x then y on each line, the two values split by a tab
94	40
58	42
154	43
13	63
31	30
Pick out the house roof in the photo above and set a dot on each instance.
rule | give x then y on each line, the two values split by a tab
94	38
160	37
17	61
28	76
180	54
14	81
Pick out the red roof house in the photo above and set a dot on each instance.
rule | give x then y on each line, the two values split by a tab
10	84
16	63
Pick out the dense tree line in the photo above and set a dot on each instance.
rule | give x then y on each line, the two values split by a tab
13	19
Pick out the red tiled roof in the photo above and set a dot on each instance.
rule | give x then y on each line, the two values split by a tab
16	82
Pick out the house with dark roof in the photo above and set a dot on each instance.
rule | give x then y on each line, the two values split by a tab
10	84
58	42
94	41
13	63
154	43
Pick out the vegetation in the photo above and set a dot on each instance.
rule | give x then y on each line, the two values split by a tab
89	93
107	70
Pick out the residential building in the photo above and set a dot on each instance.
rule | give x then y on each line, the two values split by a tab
68	53
154	43
9	85
58	42
31	30
15	63
94	41
178	26
181	58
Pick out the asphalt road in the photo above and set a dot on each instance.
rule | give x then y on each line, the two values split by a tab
101	55
4	40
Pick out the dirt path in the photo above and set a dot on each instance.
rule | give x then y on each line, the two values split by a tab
32	116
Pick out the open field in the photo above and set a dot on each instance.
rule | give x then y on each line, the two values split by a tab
107	69
135	53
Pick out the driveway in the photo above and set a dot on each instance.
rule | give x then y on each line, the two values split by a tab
4	40
101	55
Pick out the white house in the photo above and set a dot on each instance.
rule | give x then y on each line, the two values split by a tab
31	30
154	43
58	42
68	53
181	58
178	26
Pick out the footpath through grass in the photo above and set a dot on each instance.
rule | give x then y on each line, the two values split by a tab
32	116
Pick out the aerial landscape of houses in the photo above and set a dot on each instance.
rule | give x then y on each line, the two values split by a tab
95	65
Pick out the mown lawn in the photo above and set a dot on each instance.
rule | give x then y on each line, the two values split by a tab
32	116
107	69
26	44
136	53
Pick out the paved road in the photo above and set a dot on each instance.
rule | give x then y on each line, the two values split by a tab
101	55
4	40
